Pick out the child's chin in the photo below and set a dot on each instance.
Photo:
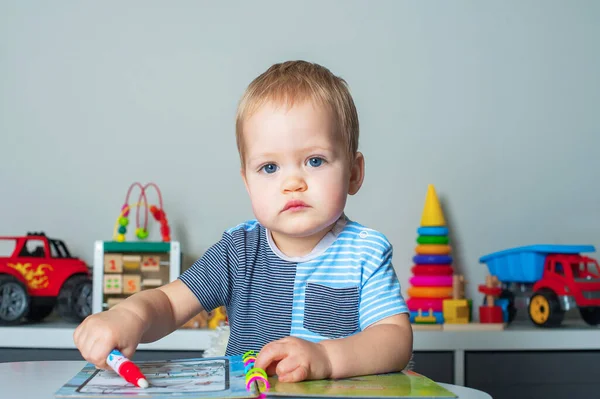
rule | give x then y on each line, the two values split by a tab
303	230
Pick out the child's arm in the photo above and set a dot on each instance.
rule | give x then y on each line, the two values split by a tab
143	317
385	346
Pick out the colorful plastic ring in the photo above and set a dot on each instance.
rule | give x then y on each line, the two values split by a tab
433	240
432	231
433	259
437	305
433	249
256	371
431	281
432	270
430	292
259	378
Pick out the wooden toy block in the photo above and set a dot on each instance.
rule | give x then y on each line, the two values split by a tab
427	327
131	262
152	282
113	283
150	264
113	263
456	311
110	302
131	283
475	327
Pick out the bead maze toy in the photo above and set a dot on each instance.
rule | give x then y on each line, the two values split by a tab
158	213
121	267
432	271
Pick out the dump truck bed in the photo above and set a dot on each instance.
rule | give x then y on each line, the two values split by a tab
526	264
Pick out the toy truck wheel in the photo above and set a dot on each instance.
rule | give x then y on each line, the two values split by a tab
545	310
75	299
14	300
591	315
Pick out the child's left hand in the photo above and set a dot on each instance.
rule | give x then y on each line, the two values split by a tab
294	359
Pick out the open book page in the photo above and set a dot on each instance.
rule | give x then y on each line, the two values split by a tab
407	384
221	377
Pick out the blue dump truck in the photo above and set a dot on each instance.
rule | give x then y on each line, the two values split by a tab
547	280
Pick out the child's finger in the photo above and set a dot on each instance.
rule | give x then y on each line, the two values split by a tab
287	365
272	352
300	373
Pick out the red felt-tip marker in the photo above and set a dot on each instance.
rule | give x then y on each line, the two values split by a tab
126	369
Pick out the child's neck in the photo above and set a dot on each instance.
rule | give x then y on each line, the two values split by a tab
298	246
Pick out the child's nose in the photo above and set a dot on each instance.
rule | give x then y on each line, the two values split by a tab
294	183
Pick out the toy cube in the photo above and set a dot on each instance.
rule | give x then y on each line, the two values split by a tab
456	311
113	283
131	283
150	264
113	263
131	262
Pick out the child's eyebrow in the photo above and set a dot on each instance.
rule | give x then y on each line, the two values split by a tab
273	155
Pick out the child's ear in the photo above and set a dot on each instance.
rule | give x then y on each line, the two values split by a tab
243	173
357	174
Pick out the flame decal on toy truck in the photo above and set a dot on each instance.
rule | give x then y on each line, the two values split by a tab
36	277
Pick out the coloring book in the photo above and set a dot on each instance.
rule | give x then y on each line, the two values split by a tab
225	378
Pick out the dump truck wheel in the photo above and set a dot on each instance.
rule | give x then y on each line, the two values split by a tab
545	310
591	315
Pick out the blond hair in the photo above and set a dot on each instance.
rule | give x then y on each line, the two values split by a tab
298	81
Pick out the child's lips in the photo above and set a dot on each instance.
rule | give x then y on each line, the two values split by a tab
294	205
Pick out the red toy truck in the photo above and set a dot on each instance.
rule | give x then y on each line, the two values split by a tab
548	280
38	273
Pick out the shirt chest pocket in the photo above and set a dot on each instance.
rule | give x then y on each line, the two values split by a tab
331	312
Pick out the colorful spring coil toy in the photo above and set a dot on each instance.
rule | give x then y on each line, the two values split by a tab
255	374
120	229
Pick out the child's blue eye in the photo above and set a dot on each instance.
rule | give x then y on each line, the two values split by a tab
315	162
269	168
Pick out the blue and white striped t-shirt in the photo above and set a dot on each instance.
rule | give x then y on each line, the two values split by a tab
344	285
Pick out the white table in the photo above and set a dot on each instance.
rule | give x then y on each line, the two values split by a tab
40	380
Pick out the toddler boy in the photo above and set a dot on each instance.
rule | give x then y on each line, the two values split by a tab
312	291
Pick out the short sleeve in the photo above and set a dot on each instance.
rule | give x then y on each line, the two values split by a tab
381	294
211	277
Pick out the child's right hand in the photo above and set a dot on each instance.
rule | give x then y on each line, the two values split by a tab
102	332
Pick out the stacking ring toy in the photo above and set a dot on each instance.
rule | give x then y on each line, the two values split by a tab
432	231
432	270
430	292
431	281
431	249
437	305
433	240
433	259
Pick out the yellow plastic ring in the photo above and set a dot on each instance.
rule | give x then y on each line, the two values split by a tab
255	371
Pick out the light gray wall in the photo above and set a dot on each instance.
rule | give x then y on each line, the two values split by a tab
496	103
